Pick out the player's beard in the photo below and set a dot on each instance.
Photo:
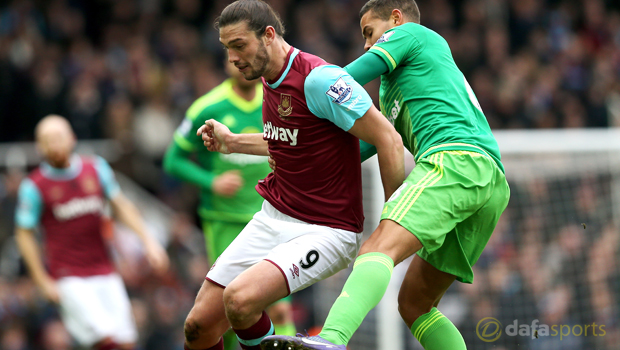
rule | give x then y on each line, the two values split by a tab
260	62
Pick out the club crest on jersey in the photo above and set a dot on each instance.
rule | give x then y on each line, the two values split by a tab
340	91
384	38
285	108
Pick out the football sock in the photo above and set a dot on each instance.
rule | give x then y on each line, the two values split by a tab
285	329
218	346
230	340
361	293
436	332
250	338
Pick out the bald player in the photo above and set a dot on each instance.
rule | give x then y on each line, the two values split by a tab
65	198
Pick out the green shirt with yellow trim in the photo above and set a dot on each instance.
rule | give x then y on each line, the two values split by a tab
240	116
427	98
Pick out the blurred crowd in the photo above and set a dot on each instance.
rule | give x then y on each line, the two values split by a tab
127	70
553	258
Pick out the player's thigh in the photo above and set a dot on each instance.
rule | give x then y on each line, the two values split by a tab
113	295
219	235
317	253
252	245
463	245
82	312
392	240
208	315
256	288
474	232
442	190
422	288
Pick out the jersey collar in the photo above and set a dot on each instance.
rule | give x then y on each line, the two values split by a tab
243	104
69	173
293	52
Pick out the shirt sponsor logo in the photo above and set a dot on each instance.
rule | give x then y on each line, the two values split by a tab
78	207
384	38
285	108
340	91
394	112
283	134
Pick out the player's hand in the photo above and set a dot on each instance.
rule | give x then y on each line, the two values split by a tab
272	163
50	290
214	135
227	184
157	257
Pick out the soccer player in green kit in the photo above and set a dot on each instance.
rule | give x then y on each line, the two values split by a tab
446	209
228	199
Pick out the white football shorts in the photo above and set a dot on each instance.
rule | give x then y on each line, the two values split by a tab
305	253
96	307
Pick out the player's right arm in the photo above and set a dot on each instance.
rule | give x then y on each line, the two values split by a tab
218	138
27	216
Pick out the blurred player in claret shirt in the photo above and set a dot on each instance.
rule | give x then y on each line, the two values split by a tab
228	200
311	220
65	197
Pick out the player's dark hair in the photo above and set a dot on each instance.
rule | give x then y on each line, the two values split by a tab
383	9
256	13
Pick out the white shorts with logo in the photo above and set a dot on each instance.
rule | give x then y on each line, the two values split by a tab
96	307
304	253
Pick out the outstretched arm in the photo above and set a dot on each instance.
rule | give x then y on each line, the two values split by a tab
366	68
218	138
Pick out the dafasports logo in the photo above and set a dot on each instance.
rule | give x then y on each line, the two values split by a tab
489	329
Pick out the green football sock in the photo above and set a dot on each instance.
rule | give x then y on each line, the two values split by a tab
436	332
285	329
230	340
361	293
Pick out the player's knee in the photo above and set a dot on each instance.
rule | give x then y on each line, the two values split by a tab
238	304
280	313
191	329
411	309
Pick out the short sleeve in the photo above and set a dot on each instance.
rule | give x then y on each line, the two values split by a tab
332	94
110	187
395	46
29	205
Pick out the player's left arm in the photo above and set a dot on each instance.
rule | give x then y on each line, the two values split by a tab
332	94
127	213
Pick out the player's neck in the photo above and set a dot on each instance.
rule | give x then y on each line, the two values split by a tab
278	59
245	92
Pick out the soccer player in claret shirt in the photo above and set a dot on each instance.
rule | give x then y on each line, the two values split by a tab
228	199
311	221
65	196
446	209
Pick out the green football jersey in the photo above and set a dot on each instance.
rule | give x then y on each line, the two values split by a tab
240	116
427	98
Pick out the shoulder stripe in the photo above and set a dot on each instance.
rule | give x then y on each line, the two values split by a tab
183	143
387	54
218	94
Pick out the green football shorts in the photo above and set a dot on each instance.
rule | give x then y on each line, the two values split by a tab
451	202
219	235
